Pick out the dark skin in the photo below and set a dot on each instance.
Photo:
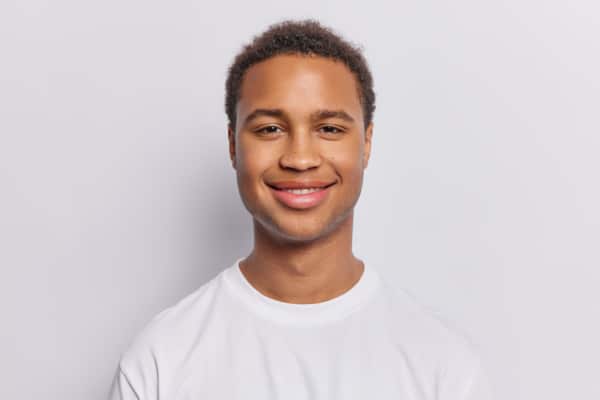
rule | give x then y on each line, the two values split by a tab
300	255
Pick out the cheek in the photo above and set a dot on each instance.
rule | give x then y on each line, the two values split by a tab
347	161
252	162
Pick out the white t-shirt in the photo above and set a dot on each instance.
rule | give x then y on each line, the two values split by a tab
226	340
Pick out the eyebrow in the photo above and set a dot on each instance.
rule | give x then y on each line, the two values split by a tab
268	112
315	116
324	114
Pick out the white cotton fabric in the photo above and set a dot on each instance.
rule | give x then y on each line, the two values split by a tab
226	340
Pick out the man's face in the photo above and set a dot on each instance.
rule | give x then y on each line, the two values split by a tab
299	119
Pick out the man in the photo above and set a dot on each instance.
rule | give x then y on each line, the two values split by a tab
301	317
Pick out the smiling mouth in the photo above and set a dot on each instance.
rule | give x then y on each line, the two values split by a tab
302	190
301	198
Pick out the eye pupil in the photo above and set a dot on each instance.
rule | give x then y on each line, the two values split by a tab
270	129
326	128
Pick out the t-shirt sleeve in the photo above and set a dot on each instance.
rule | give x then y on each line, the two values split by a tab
479	387
137	377
463	375
121	388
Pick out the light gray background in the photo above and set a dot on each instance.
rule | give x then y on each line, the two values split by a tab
118	198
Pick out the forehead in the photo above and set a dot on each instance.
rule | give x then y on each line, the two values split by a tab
298	83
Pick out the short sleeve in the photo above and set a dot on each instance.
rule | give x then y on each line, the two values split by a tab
121	388
479	386
463	375
137	375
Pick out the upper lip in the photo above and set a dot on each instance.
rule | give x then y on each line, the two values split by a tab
299	184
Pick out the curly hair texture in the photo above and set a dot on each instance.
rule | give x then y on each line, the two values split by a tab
305	37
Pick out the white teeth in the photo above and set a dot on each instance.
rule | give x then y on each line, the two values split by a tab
302	191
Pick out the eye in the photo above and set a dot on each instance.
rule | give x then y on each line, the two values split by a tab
331	129
268	129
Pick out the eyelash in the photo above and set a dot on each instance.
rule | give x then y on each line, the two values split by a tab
262	130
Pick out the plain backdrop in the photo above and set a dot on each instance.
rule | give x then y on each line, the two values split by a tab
117	197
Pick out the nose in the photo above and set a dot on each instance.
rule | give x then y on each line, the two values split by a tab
301	152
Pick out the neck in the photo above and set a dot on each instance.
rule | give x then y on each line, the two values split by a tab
303	272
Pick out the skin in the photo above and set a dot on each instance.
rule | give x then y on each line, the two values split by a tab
300	256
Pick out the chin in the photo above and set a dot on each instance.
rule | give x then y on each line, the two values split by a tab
304	233
285	230
303	236
298	226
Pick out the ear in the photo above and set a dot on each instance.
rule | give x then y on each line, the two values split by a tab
367	149
231	139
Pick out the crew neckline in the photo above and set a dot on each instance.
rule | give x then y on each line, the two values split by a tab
293	313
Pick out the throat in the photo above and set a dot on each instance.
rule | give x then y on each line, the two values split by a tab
299	286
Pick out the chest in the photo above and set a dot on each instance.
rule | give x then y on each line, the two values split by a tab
350	361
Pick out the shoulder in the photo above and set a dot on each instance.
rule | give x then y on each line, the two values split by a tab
442	349
421	323
157	344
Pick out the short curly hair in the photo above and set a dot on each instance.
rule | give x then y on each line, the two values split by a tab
299	37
